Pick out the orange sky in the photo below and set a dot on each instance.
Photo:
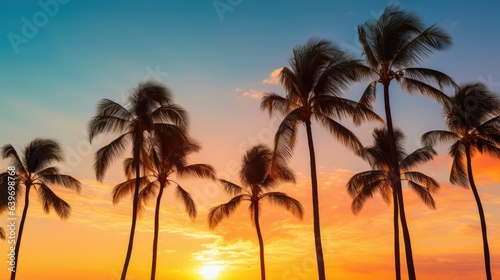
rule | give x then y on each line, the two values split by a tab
92	243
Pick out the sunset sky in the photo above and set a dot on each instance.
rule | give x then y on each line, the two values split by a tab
58	62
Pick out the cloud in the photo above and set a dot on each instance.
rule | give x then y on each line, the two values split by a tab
274	77
253	94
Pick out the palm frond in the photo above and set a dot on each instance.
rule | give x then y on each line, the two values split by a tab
129	167
428	182
293	85
5	193
343	135
489	129
272	102
146	193
126	188
363	35
340	71
430	76
423	193
110	117
417	157
105	155
364	193
197	171
62	180
369	95
231	188
2	234
421	46
281	199
187	200
171	113
434	137
339	108
458	174
286	135
39	153
360	180
487	147
218	213
50	200
8	151
412	85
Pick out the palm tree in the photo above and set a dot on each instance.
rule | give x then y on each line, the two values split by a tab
473	122
314	83
167	155
149	110
257	179
392	46
2	234
363	185
33	170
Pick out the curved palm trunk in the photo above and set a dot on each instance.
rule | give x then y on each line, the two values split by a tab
157	229
397	261
314	186
20	232
481	214
397	183
261	243
137	154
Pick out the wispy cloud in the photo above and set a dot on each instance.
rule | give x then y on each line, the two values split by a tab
253	94
274	77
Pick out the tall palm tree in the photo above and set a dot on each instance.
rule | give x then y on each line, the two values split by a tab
473	122
314	82
392	46
257	179
149	110
363	185
167	154
34	171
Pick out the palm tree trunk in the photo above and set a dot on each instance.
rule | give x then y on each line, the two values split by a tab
157	228
20	232
261	243
481	213
137	154
314	186
397	261
397	184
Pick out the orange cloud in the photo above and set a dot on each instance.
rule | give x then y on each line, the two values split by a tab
274	77
253	94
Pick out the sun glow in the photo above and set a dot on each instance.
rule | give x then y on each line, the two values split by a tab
210	272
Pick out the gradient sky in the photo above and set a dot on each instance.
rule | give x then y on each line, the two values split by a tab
218	65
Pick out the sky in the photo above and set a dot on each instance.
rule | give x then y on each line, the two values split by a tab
58	59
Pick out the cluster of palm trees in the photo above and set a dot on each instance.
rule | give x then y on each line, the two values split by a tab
393	46
156	130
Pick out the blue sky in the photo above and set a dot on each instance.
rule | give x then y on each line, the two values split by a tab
90	50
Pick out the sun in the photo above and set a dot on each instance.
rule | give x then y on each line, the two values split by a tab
210	272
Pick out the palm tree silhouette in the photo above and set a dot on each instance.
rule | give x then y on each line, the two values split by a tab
314	83
363	185
167	154
149	110
392	46
34	171
257	179
473	122
2	234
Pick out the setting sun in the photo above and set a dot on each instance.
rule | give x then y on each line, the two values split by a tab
210	272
